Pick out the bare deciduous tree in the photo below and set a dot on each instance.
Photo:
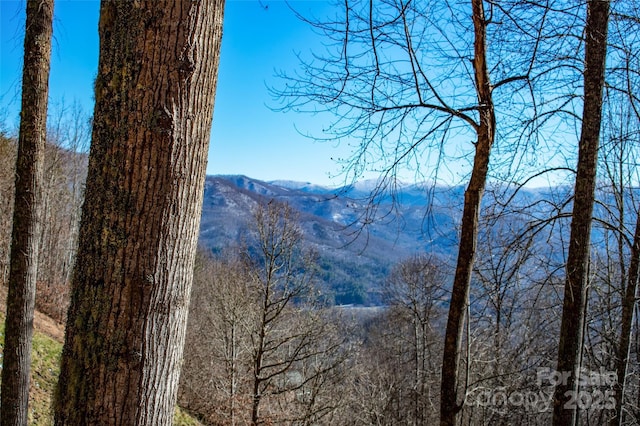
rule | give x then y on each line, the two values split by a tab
215	380
416	289
263	349
408	80
575	292
620	157
292	344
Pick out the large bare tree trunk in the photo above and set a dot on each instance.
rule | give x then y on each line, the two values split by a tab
16	360
154	93
449	406
624	342
575	291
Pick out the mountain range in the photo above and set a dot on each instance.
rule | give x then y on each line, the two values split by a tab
358	240
357	243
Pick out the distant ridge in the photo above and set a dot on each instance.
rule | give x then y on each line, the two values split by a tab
358	243
353	261
302	186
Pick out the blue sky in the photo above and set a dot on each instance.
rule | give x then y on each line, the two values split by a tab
248	137
261	38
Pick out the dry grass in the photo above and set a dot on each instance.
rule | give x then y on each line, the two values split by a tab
47	347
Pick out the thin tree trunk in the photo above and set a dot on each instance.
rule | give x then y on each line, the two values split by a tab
154	94
257	362
571	328
233	379
628	307
449	406
16	362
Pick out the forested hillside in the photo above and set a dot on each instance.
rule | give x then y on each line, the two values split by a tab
356	246
352	260
498	286
515	297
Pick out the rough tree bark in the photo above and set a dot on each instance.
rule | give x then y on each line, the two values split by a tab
575	291
449	406
26	214
154	94
624	342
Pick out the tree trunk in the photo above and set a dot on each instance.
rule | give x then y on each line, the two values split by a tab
154	94
26	213
575	291
256	395
449	406
624	343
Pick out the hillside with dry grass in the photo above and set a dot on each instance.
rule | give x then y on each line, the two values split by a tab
47	347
